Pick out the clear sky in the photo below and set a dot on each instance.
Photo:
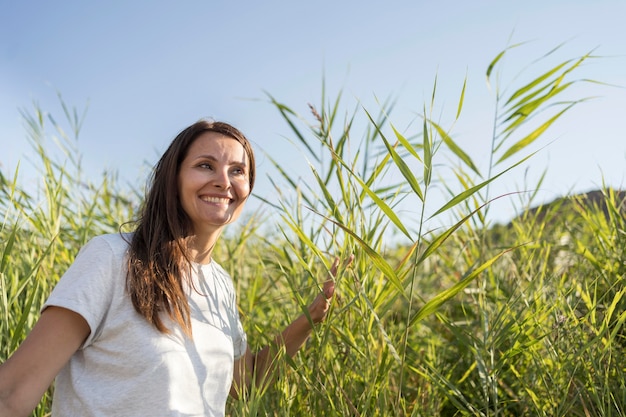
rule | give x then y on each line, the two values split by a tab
146	69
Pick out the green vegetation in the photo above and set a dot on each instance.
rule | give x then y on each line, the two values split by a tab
470	318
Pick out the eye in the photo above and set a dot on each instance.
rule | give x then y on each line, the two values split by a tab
239	171
205	165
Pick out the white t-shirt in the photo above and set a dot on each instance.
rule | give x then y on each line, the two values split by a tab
126	367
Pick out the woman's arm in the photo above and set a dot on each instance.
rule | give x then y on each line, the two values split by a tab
27	374
261	364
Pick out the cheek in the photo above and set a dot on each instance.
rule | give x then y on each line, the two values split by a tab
190	179
242	187
186	186
245	191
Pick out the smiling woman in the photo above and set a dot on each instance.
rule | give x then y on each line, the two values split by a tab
146	323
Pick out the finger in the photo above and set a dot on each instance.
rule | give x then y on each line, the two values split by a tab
329	289
348	261
333	269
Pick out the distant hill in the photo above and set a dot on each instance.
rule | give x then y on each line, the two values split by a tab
594	198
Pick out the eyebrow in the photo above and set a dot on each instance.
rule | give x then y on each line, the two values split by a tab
214	159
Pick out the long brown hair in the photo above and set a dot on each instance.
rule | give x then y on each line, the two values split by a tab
158	259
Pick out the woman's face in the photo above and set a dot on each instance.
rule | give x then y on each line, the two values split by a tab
213	182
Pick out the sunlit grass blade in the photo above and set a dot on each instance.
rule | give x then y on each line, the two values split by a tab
521	114
381	327
407	145
533	136
451	144
400	163
380	203
286	112
8	245
468	193
19	328
494	62
332	206
433	304
534	83
428	154
379	262
461	98
492	65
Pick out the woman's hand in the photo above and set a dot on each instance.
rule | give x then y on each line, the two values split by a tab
263	362
320	306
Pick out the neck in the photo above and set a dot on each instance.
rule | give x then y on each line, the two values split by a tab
201	248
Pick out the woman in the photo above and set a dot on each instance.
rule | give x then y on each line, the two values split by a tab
146	324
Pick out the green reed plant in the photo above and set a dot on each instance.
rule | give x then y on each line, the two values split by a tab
553	354
449	323
522	115
44	226
598	305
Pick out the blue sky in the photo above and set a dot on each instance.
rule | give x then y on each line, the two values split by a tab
146	69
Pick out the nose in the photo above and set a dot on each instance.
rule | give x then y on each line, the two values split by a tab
221	179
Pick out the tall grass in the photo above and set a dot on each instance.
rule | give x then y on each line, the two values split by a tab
464	319
433	318
44	226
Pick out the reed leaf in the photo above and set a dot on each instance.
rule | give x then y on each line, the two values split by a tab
468	193
492	65
286	112
400	163
379	262
378	201
534	83
428	155
8	246
461	98
432	305
531	137
407	145
456	150
332	206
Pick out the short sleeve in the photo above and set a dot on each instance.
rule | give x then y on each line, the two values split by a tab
88	286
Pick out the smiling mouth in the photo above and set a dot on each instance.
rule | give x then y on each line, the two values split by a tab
216	200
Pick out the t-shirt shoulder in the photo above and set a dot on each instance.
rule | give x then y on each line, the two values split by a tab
91	282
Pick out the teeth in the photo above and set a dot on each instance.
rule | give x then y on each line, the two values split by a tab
219	200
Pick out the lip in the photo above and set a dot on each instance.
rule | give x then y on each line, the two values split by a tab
216	199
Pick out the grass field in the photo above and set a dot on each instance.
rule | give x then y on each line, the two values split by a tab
472	318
